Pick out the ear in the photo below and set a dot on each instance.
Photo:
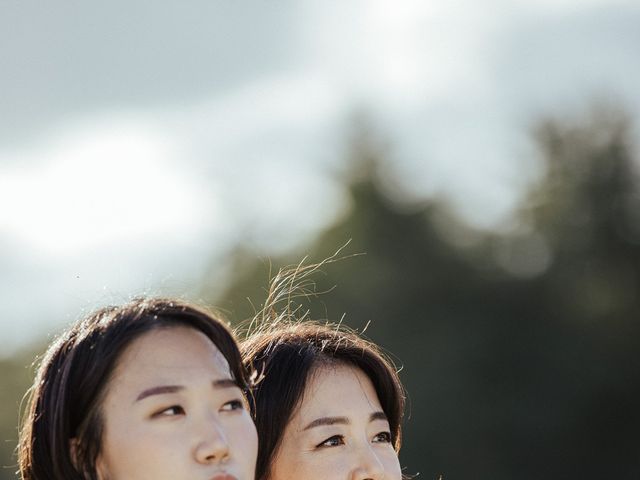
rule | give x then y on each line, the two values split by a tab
101	468
73	452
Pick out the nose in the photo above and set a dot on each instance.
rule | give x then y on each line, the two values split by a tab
368	465
212	445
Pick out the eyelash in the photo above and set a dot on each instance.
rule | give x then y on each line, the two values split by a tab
324	444
231	406
384	437
234	404
178	410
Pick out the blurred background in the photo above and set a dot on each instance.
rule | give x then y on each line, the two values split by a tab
483	156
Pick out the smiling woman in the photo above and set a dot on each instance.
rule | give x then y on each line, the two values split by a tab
328	404
153	389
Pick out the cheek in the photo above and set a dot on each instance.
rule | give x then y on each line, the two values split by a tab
328	468
391	464
244	442
309	466
137	452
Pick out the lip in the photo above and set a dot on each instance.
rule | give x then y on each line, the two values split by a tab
223	476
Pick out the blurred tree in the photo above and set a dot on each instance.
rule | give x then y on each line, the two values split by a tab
519	351
16	376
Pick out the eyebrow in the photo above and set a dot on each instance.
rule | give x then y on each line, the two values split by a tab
379	415
325	421
164	389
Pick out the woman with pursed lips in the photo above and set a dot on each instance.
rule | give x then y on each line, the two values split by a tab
154	389
328	404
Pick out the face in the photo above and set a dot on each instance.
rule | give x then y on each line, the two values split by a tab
172	411
339	432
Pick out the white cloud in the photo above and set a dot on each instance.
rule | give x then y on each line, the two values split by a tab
108	179
112	195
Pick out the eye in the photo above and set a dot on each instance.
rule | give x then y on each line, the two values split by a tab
233	405
172	411
382	437
334	441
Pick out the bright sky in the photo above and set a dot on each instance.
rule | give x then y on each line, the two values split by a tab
137	148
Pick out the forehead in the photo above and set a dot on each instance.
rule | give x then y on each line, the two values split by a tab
170	353
338	390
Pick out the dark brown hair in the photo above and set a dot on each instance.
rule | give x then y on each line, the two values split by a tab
65	399
285	354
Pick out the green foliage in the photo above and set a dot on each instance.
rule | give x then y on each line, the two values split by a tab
519	353
17	375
